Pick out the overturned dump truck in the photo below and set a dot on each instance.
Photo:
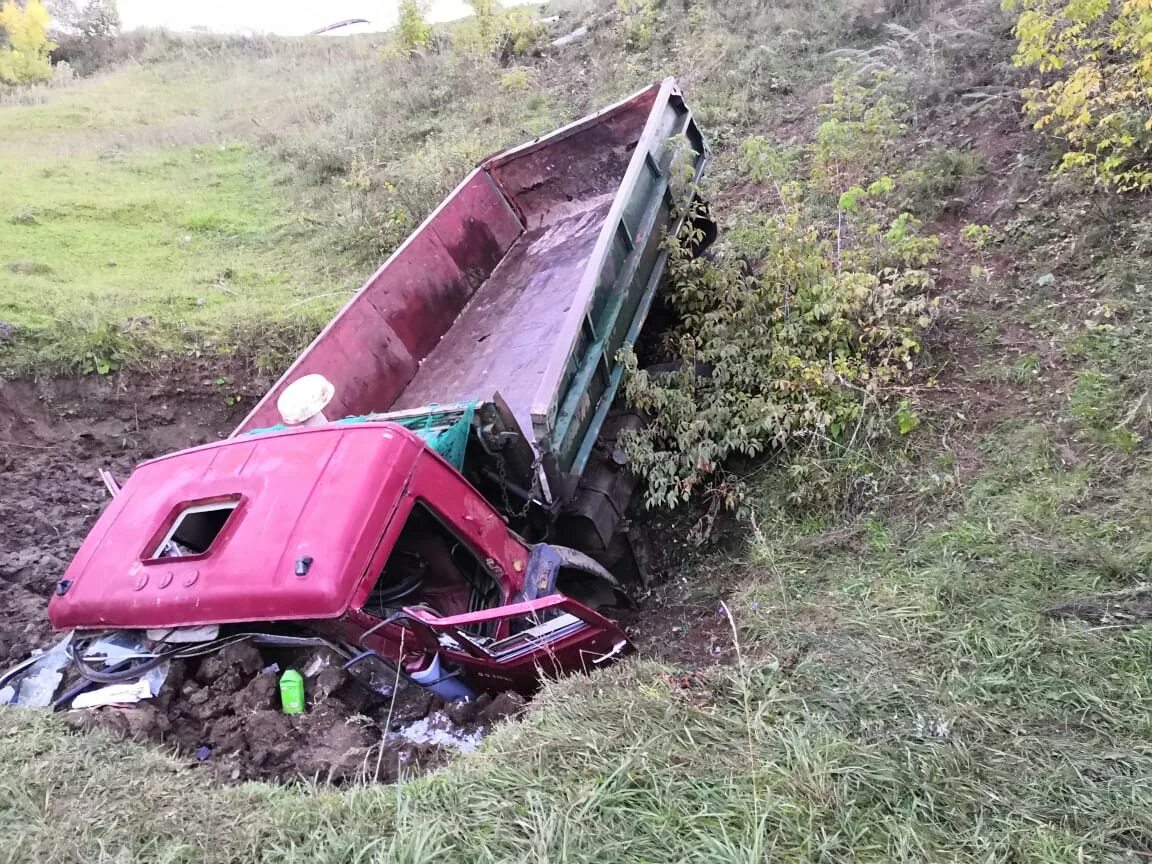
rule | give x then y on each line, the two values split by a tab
433	487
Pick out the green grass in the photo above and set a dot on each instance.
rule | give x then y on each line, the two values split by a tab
207	202
142	216
334	149
906	701
162	248
136	96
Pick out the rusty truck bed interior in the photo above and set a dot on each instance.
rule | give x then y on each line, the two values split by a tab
474	302
505	336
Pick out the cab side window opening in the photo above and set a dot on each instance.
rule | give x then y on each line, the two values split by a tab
195	530
429	566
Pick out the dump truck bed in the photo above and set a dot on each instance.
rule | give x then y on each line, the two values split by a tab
505	337
524	283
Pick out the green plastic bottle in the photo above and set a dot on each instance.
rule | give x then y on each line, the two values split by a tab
292	692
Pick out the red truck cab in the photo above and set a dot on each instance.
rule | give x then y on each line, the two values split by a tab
358	531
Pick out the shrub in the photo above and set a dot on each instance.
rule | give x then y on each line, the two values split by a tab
855	134
500	32
24	60
639	22
800	351
801	326
85	36
1094	59
412	30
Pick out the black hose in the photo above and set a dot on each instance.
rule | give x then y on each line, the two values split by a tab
129	673
186	652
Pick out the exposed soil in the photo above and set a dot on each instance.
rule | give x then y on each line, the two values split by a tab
683	622
223	713
1129	607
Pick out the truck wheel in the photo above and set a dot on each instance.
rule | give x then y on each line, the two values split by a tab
633	557
707	229
587	582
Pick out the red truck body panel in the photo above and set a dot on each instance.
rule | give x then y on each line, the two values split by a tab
323	493
475	301
339	496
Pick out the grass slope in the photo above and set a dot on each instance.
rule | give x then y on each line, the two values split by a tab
138	219
332	151
904	698
191	240
228	196
902	692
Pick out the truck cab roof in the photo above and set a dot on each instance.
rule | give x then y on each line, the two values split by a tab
263	527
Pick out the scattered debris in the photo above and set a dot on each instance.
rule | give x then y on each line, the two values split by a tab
113	694
116	648
145	687
35	680
575	36
110	482
931	727
177	635
437	728
318	663
222	703
292	692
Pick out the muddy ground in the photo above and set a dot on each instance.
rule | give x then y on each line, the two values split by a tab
222	713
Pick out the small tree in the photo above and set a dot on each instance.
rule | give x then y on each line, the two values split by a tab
100	21
500	32
488	22
85	33
413	30
1094	88
24	59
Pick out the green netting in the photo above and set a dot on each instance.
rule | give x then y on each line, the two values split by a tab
449	439
446	432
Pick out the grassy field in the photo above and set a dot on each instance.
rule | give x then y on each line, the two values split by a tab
140	218
942	662
196	242
228	199
900	697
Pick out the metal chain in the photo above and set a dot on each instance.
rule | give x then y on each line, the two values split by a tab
502	472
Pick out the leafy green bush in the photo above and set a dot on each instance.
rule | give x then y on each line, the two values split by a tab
85	33
855	135
24	43
412	30
500	32
803	350
639	22
802	324
1094	90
